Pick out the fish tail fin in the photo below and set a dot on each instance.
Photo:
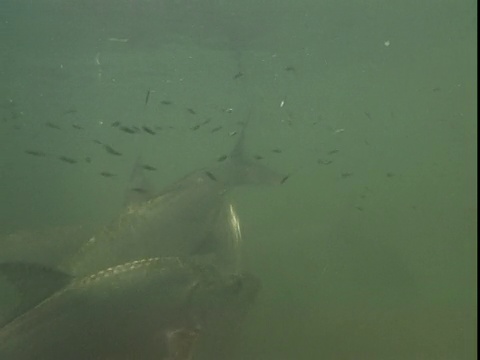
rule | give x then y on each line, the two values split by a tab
244	170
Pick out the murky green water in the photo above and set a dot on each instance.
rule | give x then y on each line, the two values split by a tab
368	250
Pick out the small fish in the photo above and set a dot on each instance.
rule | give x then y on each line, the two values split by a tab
196	127
285	178
222	158
111	150
238	75
67	160
148	167
148	130
36	153
166	102
88	159
258	157
331	152
346	174
127	129
147	97
210	175
78	127
277	151
52	125
70	111
107	174
191	111
324	162
216	129
97	142
116	124
290	68
139	190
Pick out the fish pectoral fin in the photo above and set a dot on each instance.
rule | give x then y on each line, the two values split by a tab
33	282
181	343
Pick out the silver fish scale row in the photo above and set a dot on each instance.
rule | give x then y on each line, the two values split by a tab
128	266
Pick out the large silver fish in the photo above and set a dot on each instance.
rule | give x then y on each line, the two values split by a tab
156	308
189	218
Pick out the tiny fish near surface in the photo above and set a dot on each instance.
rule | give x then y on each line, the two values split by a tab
36	153
111	150
67	159
148	130
149	167
127	129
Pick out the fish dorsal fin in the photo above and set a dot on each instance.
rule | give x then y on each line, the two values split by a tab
241	170
238	152
33	282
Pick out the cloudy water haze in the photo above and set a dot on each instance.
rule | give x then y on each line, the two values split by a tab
366	250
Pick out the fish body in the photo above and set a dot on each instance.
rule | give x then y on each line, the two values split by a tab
152	308
191	217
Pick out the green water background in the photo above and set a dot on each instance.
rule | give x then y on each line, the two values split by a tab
368	251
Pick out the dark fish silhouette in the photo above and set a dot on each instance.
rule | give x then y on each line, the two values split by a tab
111	150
